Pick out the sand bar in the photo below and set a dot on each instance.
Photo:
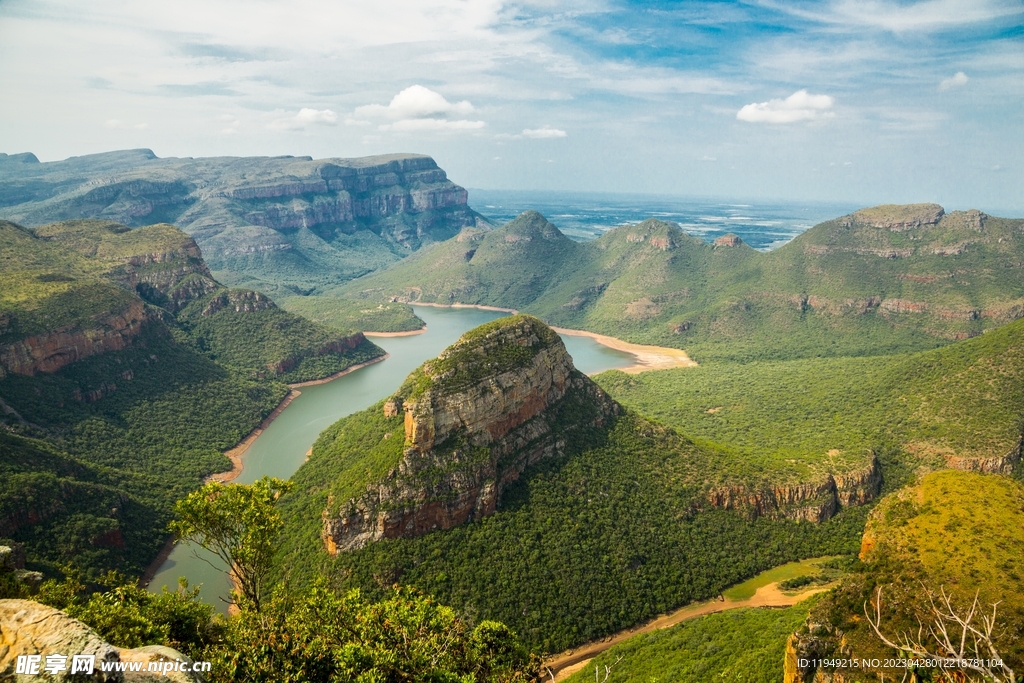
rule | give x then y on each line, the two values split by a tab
407	333
647	357
571	661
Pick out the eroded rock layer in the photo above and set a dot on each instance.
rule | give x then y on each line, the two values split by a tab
501	399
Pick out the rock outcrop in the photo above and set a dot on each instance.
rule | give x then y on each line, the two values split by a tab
30	629
501	399
52	351
811	501
899	217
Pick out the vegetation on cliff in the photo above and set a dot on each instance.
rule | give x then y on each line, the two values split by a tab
580	547
958	405
878	281
119	350
347	314
957	532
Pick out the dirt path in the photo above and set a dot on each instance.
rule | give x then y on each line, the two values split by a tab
571	661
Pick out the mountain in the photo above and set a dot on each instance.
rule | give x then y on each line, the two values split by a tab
881	280
281	225
125	371
958	406
953	532
503	481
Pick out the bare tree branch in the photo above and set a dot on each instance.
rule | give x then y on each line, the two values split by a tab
969	647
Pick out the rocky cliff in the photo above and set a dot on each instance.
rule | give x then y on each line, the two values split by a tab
813	501
53	350
501	399
28	628
258	215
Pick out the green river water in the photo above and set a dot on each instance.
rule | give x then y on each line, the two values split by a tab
281	448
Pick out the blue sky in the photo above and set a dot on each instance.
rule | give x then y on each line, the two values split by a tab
866	101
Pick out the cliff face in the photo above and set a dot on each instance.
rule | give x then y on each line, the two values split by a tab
272	207
51	351
813	501
475	419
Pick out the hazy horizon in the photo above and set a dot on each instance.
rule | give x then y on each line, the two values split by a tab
863	102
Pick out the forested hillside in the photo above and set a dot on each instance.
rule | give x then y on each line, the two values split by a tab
133	369
881	280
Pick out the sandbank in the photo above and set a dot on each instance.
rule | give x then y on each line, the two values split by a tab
407	333
647	357
235	454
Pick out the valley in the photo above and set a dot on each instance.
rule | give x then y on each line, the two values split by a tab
571	438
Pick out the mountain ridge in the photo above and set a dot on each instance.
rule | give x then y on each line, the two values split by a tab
288	224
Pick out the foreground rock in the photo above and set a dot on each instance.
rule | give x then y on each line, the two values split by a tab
502	398
29	628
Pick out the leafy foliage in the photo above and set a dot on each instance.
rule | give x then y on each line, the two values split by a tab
238	524
579	548
128	616
331	637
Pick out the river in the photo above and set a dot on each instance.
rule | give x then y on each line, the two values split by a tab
281	448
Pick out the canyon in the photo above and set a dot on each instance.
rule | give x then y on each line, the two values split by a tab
295	221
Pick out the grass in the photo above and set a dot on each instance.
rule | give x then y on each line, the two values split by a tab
745	645
960	532
791	570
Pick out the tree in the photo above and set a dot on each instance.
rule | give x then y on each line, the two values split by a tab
239	524
957	640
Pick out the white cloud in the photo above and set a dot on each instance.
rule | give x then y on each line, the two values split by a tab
707	158
800	106
416	102
544	133
955	81
324	116
305	117
898	17
406	125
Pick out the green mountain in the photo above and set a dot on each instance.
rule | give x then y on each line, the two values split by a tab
282	225
133	369
503	481
957	406
881	280
954	532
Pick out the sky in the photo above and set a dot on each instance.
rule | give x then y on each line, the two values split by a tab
868	101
